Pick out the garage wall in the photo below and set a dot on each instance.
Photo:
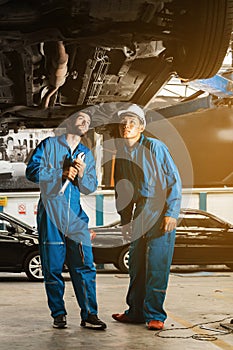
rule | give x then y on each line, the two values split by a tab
100	206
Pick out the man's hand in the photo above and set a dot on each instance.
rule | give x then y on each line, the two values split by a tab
79	166
126	231
92	234
76	169
70	173
168	224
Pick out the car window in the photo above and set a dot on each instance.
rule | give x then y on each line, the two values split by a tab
192	220
211	223
6	225
182	223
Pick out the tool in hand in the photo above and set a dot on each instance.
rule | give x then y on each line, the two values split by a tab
66	183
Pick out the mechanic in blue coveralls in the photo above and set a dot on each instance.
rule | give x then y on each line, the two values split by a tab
62	223
148	198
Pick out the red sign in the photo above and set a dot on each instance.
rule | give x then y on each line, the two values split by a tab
35	209
22	209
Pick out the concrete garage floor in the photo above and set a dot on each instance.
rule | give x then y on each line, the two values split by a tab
193	298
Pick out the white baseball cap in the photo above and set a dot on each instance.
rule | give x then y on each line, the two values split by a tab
133	110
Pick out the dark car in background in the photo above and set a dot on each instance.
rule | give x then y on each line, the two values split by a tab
19	248
202	239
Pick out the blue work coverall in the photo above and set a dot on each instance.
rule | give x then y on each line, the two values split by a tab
148	187
63	225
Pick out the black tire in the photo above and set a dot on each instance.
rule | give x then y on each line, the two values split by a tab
123	260
205	27
32	267
230	266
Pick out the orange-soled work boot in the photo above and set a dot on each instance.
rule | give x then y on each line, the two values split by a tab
121	318
155	325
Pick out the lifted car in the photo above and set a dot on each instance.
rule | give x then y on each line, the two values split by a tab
57	56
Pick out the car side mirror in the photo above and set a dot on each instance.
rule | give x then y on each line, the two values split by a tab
10	229
228	226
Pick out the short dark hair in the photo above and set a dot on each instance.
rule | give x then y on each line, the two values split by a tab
75	114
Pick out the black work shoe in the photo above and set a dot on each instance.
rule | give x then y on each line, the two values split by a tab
93	322
59	321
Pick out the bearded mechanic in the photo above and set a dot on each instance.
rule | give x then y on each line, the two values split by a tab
148	198
62	223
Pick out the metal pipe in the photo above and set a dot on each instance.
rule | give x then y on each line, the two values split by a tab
57	74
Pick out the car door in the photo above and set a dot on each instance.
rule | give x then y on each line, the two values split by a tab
10	247
201	239
108	237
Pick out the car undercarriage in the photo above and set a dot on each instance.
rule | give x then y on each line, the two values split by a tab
58	56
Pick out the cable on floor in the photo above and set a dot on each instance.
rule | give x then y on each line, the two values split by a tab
201	337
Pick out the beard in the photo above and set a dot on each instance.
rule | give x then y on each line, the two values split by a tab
76	130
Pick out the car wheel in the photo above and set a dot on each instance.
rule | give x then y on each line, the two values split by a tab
204	29
230	266
33	267
123	260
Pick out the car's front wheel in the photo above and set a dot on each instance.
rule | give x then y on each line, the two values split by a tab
32	267
123	261
204	30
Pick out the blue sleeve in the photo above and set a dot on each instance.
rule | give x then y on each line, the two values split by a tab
88	183
39	169
172	182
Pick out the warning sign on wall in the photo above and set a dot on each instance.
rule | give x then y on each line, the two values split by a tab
35	209
22	209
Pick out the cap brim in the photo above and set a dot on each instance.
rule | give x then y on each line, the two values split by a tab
125	112
121	113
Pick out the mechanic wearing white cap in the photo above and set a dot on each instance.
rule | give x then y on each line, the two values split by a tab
148	198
